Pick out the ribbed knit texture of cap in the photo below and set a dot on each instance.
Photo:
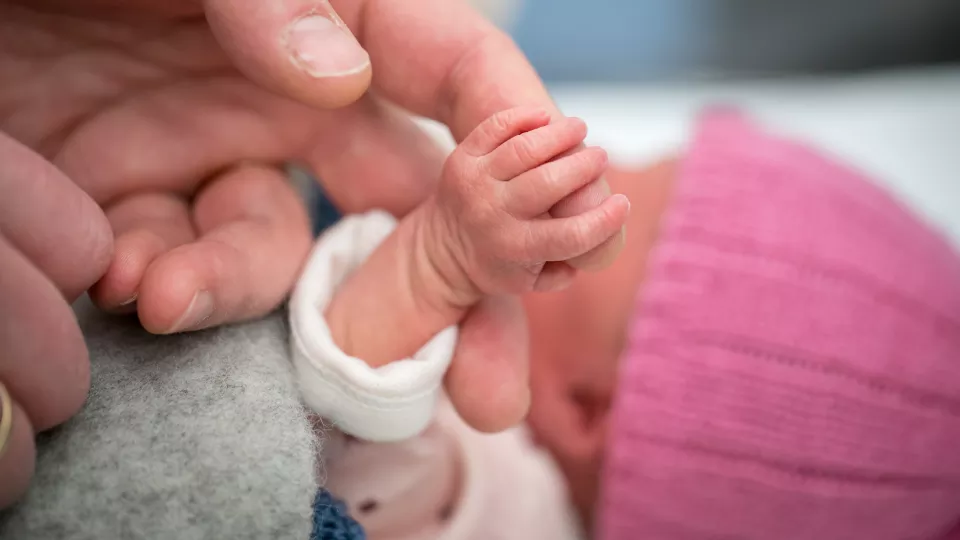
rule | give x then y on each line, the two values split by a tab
793	369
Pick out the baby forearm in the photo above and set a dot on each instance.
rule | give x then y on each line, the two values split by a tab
398	299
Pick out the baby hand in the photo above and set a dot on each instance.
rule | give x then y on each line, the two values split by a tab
493	230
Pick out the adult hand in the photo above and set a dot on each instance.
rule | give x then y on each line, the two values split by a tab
158	110
137	103
54	243
436	58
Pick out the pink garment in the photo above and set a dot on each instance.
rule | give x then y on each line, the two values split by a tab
423	474
794	367
451	483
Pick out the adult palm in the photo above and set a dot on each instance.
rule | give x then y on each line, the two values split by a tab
151	107
139	105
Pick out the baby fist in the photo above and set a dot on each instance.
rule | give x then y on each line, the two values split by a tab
494	196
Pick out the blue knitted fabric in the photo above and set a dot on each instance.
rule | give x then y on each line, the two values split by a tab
323	213
331	520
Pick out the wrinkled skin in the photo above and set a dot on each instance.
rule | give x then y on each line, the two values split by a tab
484	232
171	117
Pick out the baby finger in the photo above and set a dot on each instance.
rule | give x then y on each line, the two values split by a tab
561	239
534	148
501	127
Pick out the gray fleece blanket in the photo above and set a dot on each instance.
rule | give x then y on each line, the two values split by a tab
183	437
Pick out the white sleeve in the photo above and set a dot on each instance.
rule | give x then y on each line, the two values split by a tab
383	404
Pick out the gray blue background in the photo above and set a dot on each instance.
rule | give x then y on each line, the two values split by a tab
642	40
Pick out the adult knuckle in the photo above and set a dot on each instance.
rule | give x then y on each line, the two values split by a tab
53	223
92	243
99	245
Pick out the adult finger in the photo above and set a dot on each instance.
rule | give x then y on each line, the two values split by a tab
588	197
51	221
488	381
555	276
373	155
533	193
369	154
17	454
300	48
561	239
146	225
254	237
44	362
442	59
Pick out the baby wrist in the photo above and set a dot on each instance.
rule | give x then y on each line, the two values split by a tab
379	404
440	278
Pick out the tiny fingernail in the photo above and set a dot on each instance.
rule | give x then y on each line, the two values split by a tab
130	300
201	308
323	46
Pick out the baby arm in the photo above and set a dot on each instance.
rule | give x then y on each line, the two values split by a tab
486	231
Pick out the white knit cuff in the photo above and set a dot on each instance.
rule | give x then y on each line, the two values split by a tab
383	404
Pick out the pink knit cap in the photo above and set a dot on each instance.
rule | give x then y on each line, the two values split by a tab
794	365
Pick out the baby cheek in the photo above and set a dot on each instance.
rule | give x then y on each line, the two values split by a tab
577	339
583	481
573	435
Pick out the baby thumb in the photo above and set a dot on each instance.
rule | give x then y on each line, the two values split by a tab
298	48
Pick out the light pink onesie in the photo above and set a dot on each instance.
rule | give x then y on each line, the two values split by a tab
401	458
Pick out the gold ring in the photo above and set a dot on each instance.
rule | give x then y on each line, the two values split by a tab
6	418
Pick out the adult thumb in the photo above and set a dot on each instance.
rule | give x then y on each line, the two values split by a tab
298	48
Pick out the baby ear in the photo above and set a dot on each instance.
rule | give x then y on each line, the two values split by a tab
571	422
593	406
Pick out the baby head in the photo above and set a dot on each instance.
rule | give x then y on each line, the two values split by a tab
776	354
578	337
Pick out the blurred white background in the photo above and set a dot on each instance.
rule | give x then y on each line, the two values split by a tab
876	82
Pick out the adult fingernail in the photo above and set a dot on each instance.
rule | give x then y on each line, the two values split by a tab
323	46
198	312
